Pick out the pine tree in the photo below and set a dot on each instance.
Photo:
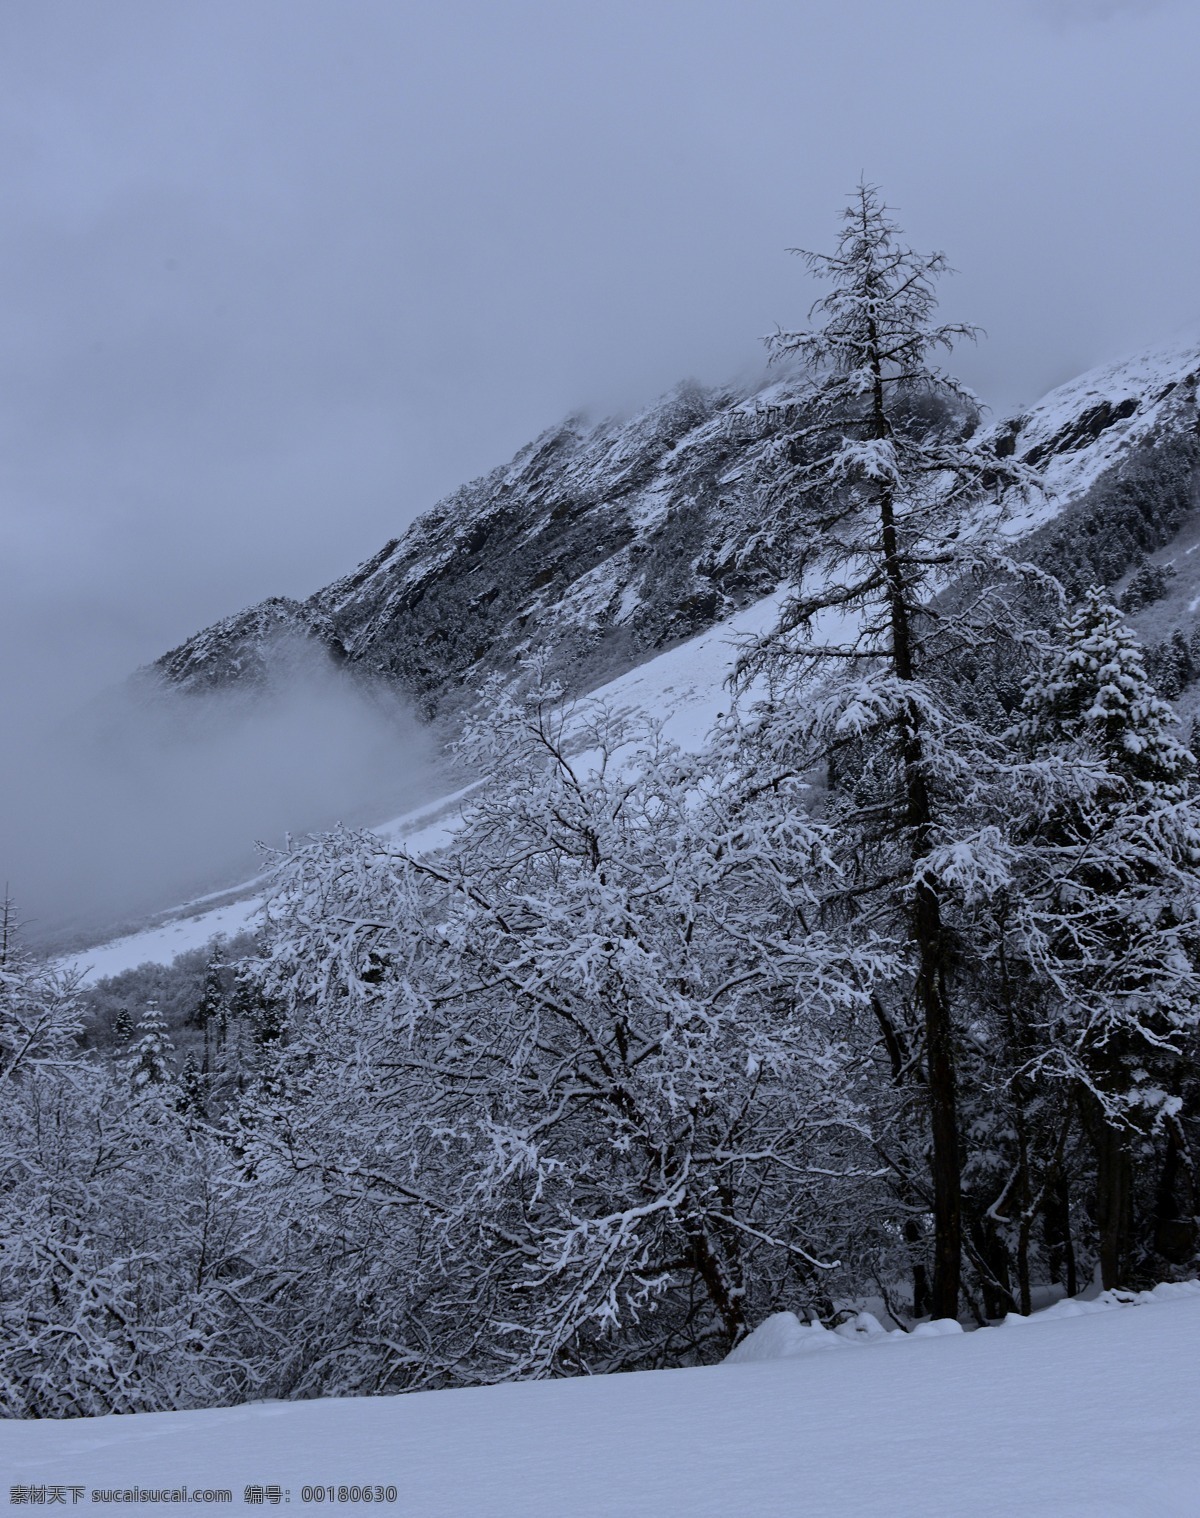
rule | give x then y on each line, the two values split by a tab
1095	691
884	509
149	1060
1108	900
9	927
192	1088
212	990
1149	584
212	1011
1181	658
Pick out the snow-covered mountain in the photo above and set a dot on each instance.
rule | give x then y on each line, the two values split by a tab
1090	425
608	542
611	542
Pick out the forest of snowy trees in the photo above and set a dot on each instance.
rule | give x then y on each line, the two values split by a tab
890	993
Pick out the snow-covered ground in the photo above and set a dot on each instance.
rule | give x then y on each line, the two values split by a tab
1079	1412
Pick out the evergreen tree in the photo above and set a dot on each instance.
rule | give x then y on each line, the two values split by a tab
9	927
212	990
1107	904
1149	584
149	1060
212	1011
1095	692
881	503
192	1088
1182	660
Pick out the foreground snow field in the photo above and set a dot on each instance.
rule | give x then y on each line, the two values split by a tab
1075	1412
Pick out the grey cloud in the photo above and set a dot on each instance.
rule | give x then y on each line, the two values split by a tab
134	803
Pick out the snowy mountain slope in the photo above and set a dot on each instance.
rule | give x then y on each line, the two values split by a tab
610	542
227	913
603	540
244	648
1074	1413
1082	429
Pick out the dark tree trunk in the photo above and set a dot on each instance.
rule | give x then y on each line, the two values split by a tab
1060	1246
921	1297
927	929
723	1294
1175	1232
943	1109
994	1266
1114	1202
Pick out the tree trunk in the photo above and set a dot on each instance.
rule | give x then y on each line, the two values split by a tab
994	1268
927	929
1114	1203
723	1294
912	1237
1056	1225
943	1108
1175	1230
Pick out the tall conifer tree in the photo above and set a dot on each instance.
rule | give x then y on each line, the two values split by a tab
883	502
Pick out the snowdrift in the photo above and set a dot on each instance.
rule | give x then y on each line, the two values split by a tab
1087	1410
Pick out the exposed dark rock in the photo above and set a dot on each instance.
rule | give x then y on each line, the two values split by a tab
1006	440
1083	429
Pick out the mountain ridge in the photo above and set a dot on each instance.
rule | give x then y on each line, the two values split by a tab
612	541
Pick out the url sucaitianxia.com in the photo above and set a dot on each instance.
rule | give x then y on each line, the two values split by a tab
253	1495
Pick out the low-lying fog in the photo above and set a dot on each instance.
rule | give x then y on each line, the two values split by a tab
143	800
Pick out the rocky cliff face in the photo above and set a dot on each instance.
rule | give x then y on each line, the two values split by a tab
610	542
607	542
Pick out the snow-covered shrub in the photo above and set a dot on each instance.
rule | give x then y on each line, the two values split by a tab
119	1272
580	1092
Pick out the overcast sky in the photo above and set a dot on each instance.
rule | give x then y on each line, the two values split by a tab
276	274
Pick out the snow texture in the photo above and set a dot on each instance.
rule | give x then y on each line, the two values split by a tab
1078	431
1086	1412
